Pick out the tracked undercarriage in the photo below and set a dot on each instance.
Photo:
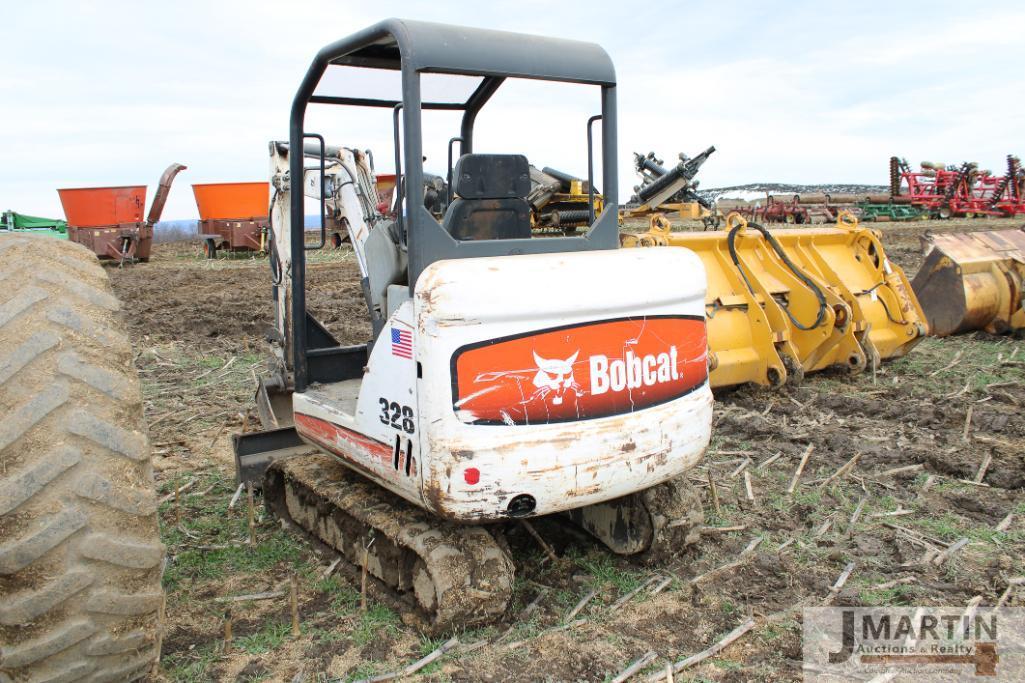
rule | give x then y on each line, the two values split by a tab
448	573
452	574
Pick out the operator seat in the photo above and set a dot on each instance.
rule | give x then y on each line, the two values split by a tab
491	198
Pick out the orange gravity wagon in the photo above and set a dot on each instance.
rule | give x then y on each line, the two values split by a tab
109	220
232	216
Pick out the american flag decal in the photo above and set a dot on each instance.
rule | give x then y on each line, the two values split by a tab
401	343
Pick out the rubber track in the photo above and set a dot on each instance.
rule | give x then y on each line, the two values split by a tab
80	557
471	573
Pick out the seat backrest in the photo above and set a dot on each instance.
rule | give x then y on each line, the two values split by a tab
490	203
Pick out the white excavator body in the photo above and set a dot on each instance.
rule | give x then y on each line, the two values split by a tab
505	375
541	398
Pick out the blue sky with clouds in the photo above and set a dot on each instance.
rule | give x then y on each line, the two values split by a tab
109	93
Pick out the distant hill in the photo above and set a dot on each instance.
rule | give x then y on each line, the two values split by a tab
173	231
757	191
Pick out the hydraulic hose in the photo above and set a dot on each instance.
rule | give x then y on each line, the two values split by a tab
272	252
819	294
883	302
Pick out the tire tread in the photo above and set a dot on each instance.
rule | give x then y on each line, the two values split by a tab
80	552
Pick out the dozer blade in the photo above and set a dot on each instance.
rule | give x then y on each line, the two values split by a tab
783	303
255	451
972	281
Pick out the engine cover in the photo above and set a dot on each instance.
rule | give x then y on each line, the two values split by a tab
550	382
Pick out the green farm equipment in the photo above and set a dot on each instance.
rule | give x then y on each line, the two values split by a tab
19	222
889	211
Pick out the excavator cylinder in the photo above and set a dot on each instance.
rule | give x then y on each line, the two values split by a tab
973	281
784	303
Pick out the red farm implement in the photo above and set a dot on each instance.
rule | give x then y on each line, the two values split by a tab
799	209
959	191
1004	194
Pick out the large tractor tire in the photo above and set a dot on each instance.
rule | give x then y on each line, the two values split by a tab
80	555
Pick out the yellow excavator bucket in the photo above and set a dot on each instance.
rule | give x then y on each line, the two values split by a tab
783	303
973	281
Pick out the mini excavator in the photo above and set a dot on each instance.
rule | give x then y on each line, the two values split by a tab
485	393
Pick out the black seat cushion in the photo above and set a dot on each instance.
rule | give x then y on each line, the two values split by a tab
488	219
490	199
492	176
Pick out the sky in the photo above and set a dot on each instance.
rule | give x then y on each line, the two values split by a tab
110	93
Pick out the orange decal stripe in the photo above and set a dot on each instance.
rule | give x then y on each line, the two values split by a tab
336	439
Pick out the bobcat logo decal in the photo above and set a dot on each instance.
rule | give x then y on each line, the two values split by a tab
579	372
555	376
